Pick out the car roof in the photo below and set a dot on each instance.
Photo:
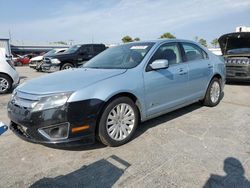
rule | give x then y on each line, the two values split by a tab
159	41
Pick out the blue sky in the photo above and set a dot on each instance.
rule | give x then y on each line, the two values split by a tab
108	21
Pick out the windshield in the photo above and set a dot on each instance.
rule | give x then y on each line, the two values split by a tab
239	51
120	57
51	52
72	49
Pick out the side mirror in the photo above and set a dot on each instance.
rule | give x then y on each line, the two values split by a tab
159	64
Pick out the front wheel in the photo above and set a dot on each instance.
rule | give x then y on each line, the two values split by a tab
118	122
67	66
213	94
5	84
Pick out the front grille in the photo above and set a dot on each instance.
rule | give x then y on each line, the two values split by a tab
46	60
238	68
238	60
24	100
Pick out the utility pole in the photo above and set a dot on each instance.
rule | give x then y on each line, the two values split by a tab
10	35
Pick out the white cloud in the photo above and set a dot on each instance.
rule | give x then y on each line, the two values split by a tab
139	18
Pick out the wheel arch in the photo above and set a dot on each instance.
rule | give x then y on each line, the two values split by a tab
117	95
3	73
216	75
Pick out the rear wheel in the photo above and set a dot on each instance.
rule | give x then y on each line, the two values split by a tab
67	66
5	84
118	122
213	95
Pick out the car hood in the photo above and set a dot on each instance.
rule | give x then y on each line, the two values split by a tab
37	58
67	80
61	56
234	41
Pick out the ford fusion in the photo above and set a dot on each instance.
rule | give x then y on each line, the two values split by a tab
108	96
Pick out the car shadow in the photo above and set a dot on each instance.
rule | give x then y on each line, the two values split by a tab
23	77
102	173
238	83
234	176
79	147
143	127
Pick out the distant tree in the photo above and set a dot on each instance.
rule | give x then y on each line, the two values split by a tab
127	39
215	42
203	42
137	39
167	35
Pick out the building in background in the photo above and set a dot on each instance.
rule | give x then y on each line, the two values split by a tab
33	49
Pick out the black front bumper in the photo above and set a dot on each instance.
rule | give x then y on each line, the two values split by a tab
26	124
237	72
48	67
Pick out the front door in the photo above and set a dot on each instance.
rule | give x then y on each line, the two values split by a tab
165	88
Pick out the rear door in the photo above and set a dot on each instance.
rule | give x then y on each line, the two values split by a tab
199	67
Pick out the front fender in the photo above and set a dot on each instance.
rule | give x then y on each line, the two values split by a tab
104	90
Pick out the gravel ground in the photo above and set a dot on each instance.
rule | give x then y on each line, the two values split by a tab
192	147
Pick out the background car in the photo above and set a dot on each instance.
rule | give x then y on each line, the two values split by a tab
22	60
72	57
114	91
236	51
36	62
9	77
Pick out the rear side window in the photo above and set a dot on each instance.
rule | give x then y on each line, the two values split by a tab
99	48
193	52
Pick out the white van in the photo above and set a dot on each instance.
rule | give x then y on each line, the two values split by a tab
9	77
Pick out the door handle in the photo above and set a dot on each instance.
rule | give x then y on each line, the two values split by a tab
210	66
181	70
183	73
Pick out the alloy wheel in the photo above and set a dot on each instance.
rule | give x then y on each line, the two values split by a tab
215	92
120	121
4	84
67	67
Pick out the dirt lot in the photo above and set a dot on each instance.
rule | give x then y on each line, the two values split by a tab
192	147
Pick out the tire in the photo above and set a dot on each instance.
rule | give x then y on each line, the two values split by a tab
119	128
5	84
19	63
213	94
66	66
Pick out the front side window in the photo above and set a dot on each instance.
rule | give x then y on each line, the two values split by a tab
87	49
193	52
72	49
169	52
120	57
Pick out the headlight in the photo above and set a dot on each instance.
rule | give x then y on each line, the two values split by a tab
49	102
55	61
